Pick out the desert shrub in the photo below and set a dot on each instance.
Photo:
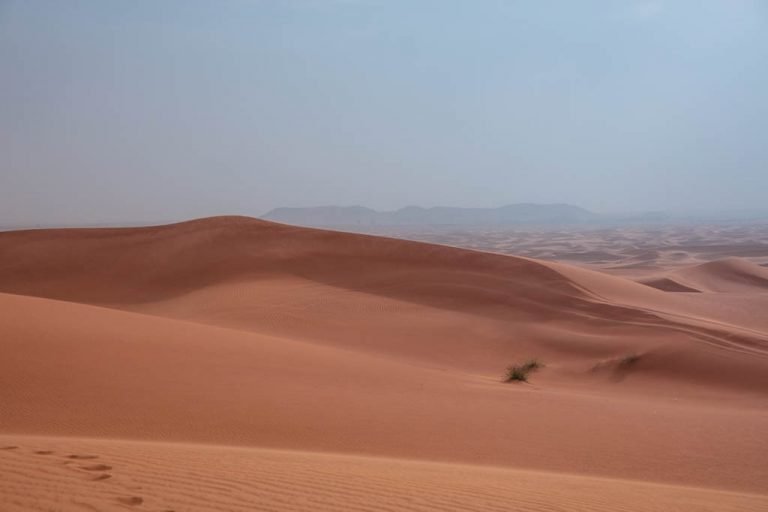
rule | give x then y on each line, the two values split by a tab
520	372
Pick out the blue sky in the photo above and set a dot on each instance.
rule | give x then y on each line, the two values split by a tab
150	110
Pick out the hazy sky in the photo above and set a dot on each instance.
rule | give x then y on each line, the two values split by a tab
133	110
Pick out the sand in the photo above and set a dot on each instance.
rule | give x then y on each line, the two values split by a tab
237	364
105	475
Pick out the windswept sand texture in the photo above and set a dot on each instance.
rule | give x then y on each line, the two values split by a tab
237	364
165	477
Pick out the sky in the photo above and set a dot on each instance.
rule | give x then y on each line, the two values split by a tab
157	110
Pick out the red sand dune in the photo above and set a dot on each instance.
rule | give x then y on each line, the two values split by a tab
237	332
726	275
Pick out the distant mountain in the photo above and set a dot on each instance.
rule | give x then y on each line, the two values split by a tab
541	214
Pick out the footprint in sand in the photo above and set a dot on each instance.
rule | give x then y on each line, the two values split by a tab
127	500
8	447
132	500
44	452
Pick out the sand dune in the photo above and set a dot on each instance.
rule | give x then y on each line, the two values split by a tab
727	275
135	266
668	284
361	292
238	332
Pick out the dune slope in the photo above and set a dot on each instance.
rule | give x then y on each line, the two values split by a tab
137	376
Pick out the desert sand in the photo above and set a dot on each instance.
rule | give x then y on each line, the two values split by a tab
237	364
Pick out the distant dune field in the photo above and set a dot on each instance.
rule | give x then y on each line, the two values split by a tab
237	364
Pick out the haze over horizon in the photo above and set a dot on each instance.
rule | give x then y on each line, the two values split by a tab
145	111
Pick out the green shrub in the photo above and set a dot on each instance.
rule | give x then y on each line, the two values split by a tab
519	372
